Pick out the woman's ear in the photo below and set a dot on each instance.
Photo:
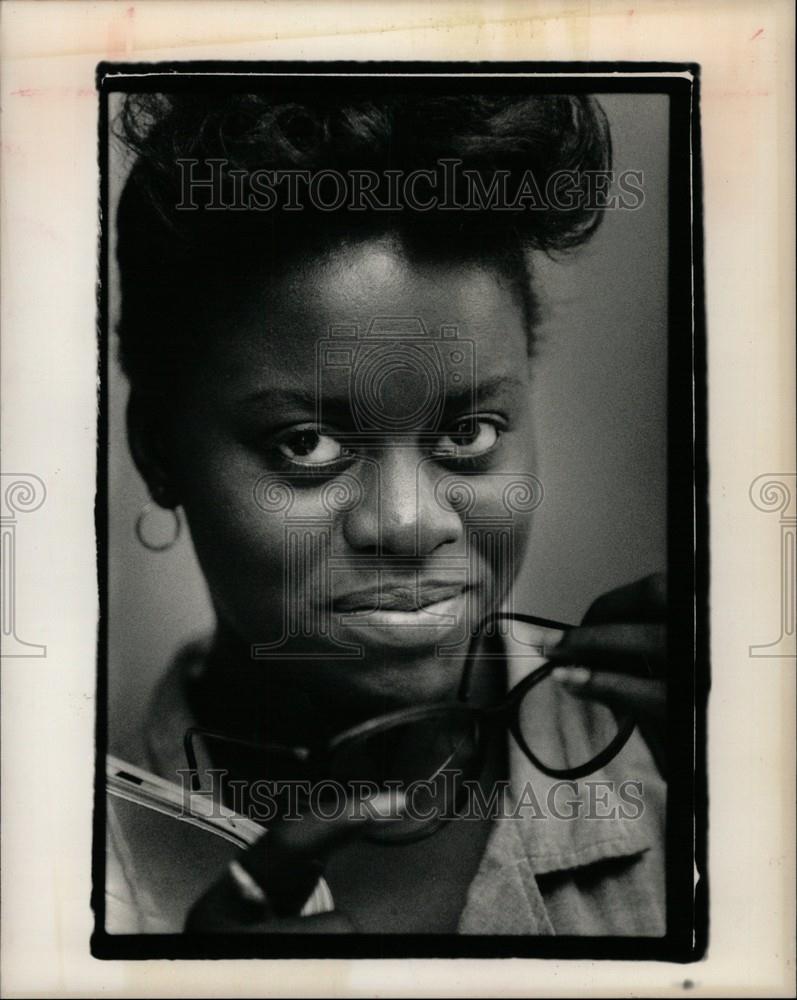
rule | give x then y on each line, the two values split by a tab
147	440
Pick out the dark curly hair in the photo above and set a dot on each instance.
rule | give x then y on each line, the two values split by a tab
163	251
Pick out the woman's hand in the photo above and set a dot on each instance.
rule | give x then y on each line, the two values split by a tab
619	656
264	890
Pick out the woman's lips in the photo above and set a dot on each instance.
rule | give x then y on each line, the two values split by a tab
397	597
404	617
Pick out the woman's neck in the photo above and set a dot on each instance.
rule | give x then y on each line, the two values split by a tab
306	703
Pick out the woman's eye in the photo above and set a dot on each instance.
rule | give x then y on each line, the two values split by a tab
470	437
309	446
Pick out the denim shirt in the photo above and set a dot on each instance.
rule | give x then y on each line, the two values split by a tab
579	857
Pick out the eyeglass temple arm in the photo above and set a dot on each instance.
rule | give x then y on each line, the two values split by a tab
296	753
467	670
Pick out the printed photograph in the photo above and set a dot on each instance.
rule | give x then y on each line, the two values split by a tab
400	512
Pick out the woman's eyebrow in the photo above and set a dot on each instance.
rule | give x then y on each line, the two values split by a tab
301	403
281	398
481	390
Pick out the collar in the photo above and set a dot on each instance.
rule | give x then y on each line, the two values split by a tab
549	825
571	823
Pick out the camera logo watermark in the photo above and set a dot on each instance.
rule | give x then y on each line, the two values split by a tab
392	349
22	493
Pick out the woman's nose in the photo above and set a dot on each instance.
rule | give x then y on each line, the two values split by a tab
399	513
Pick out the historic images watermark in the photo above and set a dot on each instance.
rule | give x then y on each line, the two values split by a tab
216	185
447	796
22	493
434	372
776	493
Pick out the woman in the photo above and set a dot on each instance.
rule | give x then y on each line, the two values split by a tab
330	362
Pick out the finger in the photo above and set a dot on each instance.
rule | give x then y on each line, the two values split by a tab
643	600
222	911
630	647
638	696
284	866
287	862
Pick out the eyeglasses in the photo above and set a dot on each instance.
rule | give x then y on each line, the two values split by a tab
440	747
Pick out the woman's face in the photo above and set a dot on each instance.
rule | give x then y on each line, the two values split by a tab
353	453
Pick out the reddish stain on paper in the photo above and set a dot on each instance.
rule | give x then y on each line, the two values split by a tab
119	38
759	32
53	91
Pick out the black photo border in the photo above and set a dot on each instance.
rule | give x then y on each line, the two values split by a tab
687	512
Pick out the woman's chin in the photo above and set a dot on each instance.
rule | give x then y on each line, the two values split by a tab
402	682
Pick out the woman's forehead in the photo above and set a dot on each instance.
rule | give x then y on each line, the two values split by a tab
371	289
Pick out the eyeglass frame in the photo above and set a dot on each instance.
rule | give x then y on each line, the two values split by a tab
506	713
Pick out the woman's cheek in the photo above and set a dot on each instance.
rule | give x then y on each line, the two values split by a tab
500	526
242	552
502	549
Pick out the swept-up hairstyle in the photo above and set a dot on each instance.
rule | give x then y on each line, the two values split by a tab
165	252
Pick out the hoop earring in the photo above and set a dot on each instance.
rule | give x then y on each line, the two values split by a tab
146	510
